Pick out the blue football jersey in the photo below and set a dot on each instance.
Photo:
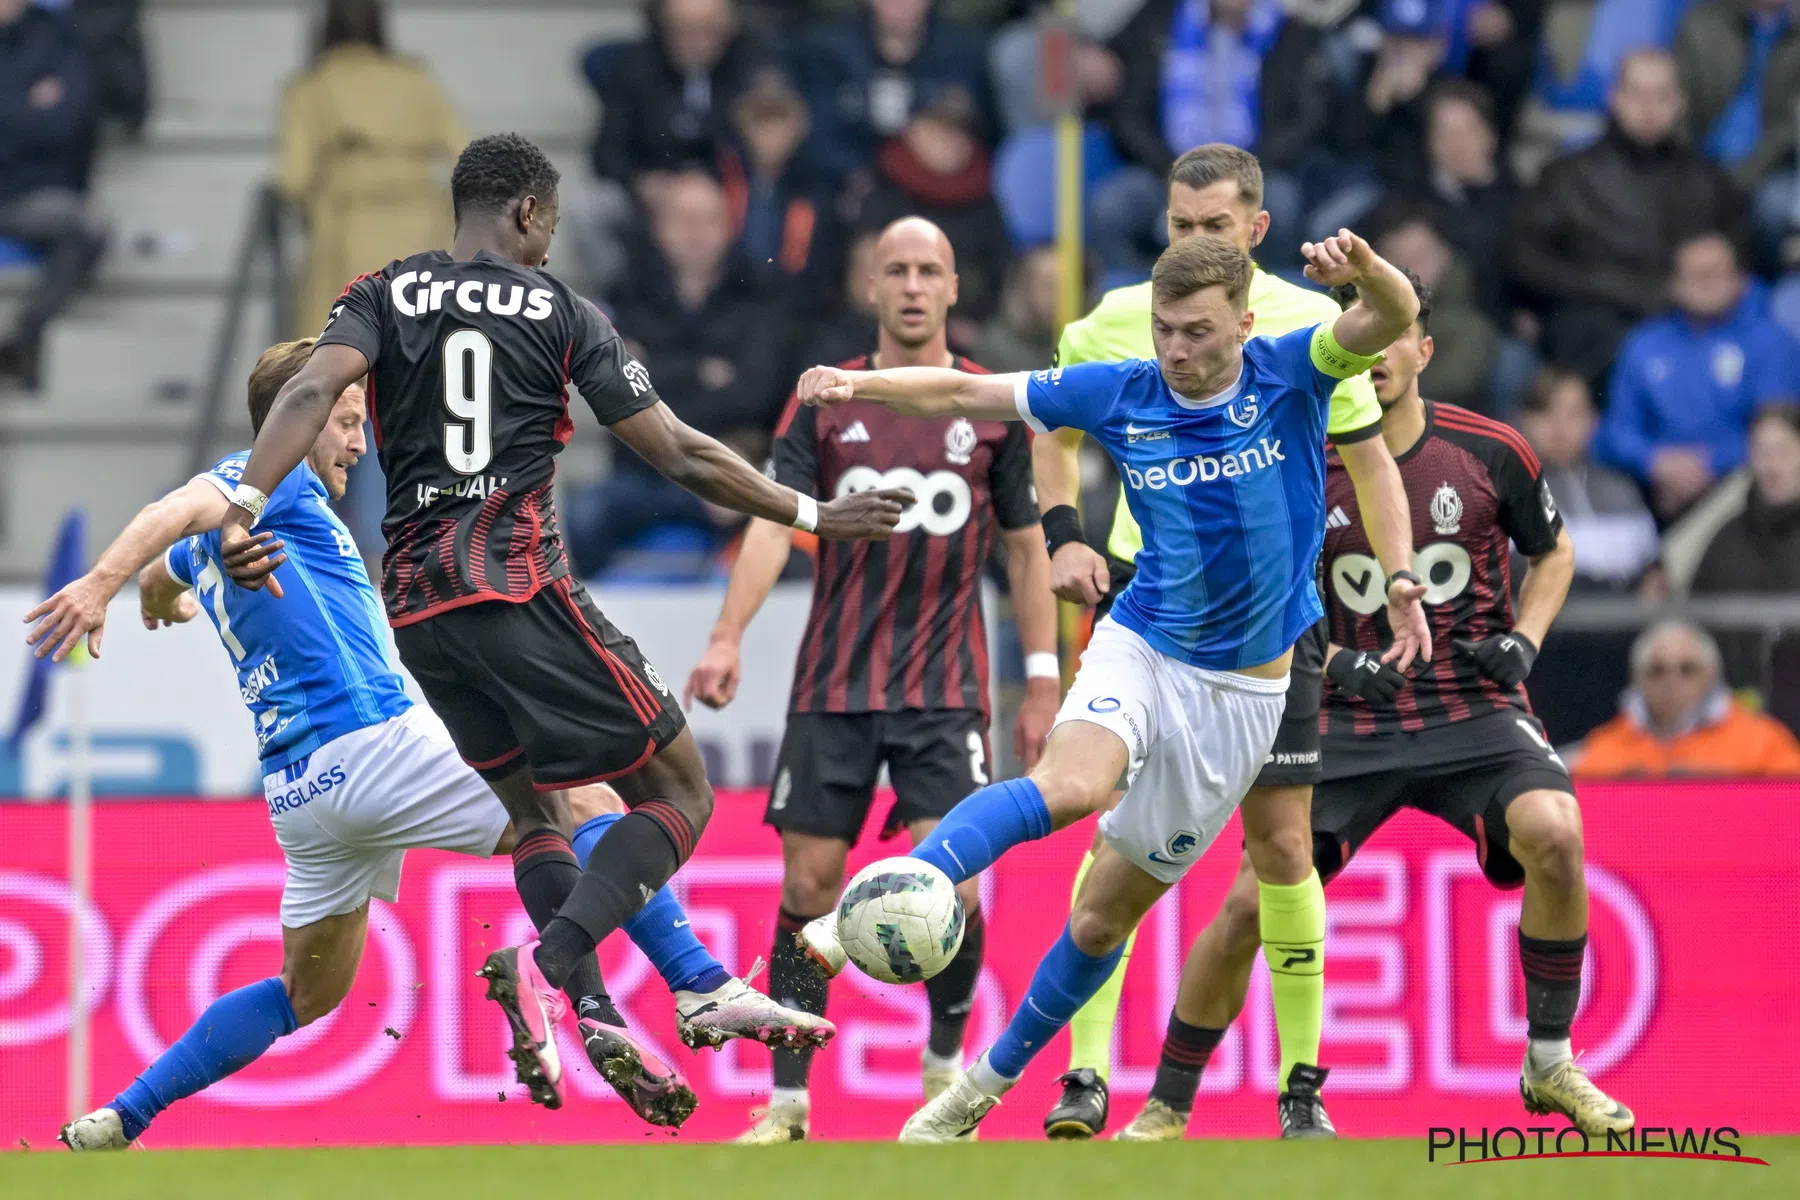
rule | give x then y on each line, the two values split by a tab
313	665
1229	492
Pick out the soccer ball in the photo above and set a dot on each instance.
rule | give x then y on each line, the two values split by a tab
900	920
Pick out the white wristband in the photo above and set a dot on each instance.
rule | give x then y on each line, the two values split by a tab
806	516
1043	665
251	500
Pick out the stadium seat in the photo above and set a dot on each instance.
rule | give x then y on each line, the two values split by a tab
665	554
15	254
1025	178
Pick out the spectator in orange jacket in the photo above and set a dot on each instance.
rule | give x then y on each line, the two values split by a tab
1678	719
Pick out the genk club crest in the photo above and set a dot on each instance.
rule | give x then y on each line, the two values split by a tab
959	441
1446	510
1243	411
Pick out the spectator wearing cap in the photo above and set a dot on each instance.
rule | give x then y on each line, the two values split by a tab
782	213
666	100
1241	72
1678	720
46	116
867	76
936	167
1592	241
1687	384
1608	521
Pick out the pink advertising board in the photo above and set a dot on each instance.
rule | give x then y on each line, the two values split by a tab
1424	1023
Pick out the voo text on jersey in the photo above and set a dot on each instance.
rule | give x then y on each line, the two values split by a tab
471	295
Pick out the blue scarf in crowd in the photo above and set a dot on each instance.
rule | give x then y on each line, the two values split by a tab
1212	77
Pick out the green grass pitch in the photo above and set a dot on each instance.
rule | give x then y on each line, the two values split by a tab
1384	1170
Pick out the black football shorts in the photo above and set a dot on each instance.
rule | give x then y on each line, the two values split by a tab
548	681
1465	774
825	777
1294	758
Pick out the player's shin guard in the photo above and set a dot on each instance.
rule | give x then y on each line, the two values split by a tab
952	992
232	1033
1065	980
1293	935
793	982
987	824
627	867
661	928
1552	992
1091	1030
545	871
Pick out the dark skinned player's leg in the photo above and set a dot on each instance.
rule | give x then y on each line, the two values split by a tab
545	871
670	802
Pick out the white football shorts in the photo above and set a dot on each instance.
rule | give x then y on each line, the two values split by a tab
1195	738
346	815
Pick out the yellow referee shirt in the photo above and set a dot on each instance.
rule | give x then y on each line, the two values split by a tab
1119	328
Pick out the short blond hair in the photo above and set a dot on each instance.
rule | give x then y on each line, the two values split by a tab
1196	263
274	367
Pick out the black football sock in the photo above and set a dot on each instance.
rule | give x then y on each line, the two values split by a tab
1552	992
545	871
1185	1052
952	991
627	867
793	982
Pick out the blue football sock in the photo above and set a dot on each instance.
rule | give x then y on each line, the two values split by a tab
1065	980
661	929
231	1034
984	826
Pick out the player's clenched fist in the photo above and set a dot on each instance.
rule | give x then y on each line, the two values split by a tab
1337	260
1079	574
864	516
821	386
714	681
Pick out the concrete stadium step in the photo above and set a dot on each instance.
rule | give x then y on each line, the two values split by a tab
36	475
177	216
221	71
146	361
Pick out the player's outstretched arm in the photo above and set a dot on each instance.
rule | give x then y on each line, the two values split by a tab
761	557
79	609
715	473
1385	302
1078	572
1381	497
300	411
916	391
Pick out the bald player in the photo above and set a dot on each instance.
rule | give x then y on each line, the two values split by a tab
893	665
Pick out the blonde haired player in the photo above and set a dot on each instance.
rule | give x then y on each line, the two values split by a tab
1217	190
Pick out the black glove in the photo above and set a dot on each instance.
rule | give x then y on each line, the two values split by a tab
1363	674
1505	658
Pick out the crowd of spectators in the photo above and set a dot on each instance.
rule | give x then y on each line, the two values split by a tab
1603	194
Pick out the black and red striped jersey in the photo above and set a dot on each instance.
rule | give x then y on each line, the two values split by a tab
898	624
1473	486
468	365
